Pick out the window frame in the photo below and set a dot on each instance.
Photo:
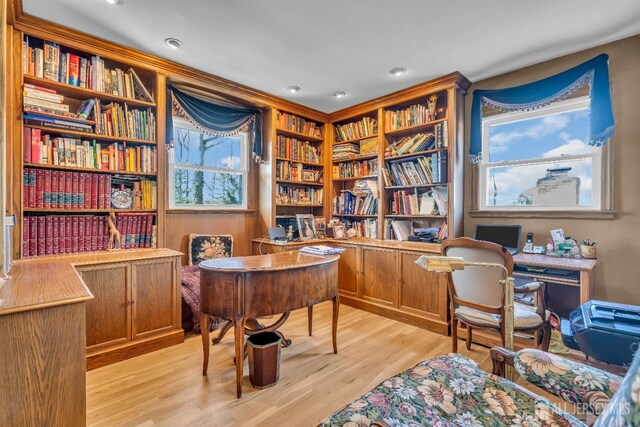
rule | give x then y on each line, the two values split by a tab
243	171
600	158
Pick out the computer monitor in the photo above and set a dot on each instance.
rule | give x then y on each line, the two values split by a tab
504	235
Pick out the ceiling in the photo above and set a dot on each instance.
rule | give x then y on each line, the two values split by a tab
349	45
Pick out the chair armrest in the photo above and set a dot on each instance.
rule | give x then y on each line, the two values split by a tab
529	288
571	381
501	357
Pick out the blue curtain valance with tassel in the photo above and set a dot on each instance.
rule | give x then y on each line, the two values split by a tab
594	72
214	119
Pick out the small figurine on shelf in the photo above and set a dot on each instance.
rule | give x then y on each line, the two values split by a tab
290	233
114	234
432	103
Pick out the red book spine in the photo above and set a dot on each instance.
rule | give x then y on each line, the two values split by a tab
26	178
68	189
94	191
80	195
68	230
54	189
130	231
46	193
81	226
96	234
55	240
36	134
62	234
107	192
74	234
87	190
26	144
140	227
61	189
39	188
32	189
33	236
101	189
104	225
87	233
149	233
48	249
74	190
42	239
25	237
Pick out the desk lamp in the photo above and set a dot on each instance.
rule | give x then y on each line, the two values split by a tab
447	264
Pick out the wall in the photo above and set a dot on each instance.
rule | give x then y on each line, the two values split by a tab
618	239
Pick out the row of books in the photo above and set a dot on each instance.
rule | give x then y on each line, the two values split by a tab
405	202
53	189
292	148
120	121
57	122
414	115
440	196
50	63
417	171
287	195
355	149
348	203
441	131
293	123
355	169
45	149
364	228
363	128
412	144
69	234
402	229
291	171
39	99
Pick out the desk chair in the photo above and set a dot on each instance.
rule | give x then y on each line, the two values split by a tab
477	297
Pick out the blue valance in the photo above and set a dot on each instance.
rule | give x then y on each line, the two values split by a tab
594	72
214	119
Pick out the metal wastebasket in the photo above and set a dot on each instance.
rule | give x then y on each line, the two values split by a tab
264	359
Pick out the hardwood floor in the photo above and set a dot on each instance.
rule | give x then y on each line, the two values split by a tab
167	388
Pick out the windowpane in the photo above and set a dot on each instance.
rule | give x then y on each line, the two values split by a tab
198	149
558	183
551	135
216	189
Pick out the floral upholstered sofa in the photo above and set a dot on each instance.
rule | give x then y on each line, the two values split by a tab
452	390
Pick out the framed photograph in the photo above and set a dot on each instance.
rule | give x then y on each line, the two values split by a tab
339	232
306	226
308	175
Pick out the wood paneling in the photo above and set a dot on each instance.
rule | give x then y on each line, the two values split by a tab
154	296
109	314
421	290
380	275
348	269
42	374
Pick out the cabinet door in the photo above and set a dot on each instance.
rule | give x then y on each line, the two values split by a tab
422	291
348	269
109	313
155	296
380	275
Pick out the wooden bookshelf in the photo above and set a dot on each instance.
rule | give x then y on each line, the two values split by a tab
50	90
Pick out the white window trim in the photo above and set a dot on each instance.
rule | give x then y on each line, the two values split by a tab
243	171
595	155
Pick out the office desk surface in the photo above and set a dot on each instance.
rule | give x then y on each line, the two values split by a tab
581	264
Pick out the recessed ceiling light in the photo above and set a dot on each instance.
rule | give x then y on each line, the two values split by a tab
114	2
398	71
173	43
339	94
293	89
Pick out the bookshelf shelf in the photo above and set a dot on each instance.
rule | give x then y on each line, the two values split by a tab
77	92
402	187
304	183
298	135
416	216
414	129
354	178
354	215
90	135
286	159
356	158
309	205
93	170
347	141
80	211
416	154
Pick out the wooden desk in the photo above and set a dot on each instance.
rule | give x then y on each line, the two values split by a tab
243	288
42	356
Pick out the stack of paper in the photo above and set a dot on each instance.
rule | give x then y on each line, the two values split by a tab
321	250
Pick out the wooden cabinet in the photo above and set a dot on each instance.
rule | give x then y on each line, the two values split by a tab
380	276
421	291
348	269
136	306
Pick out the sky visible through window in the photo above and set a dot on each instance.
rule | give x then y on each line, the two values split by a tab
542	137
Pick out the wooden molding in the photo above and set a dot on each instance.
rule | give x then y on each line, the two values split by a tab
545	214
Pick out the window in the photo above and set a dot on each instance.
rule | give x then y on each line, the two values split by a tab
540	160
205	171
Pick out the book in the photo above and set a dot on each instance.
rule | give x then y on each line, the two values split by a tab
139	90
51	61
401	229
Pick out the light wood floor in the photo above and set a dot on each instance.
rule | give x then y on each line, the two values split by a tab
167	388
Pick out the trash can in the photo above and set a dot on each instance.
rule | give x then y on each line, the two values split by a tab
264	359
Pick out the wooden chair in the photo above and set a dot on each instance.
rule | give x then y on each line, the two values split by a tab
477	297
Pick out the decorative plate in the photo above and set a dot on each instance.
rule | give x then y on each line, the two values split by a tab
121	199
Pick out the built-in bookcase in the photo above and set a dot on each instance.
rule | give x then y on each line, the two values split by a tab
89	147
417	150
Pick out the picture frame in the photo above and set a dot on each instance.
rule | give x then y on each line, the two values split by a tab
306	226
339	231
308	175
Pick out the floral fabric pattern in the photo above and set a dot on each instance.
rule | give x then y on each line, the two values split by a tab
571	381
449	391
